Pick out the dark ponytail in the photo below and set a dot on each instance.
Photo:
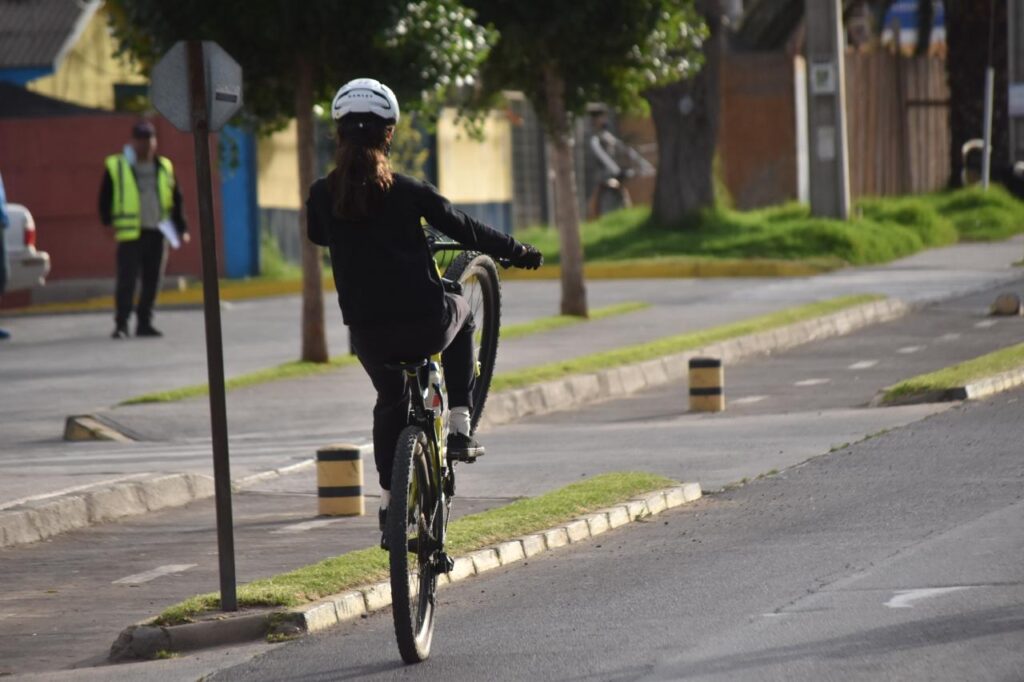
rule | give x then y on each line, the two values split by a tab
362	173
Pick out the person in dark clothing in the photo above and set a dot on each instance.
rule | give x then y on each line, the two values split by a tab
389	289
139	198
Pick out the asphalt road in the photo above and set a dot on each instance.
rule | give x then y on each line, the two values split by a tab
67	598
897	558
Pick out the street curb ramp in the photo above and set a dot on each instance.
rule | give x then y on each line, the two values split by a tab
147	641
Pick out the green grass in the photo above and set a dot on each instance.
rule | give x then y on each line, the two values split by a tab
956	376
980	215
469	533
674	344
546	324
298	368
884	229
288	370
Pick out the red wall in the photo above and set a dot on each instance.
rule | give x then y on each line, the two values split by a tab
54	167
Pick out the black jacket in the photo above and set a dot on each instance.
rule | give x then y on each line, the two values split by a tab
107	199
383	269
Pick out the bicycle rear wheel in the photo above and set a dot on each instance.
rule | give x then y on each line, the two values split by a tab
412	539
481	287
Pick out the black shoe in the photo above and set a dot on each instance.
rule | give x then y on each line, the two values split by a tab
463	448
120	332
147	330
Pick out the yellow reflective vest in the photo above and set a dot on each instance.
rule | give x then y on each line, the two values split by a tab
124	211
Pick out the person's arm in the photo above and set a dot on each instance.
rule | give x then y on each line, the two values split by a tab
440	213
607	161
106	198
316	221
178	212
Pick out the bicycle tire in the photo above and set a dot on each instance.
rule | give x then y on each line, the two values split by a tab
413	579
478	275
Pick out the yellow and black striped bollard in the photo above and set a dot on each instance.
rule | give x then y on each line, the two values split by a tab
339	480
707	391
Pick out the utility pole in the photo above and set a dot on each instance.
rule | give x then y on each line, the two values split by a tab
1015	41
826	109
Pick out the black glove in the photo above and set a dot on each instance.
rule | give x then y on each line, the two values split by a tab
526	257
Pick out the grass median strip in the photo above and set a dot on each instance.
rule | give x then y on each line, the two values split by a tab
297	368
469	533
674	344
957	376
546	324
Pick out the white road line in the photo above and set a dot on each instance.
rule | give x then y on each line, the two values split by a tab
952	336
812	382
985	324
903	598
748	400
907	350
863	364
140	578
304	526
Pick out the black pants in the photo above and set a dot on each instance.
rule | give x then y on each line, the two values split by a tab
379	346
143	257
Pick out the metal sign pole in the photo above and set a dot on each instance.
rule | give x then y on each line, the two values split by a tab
211	309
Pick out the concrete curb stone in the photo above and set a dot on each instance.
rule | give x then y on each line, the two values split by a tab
37	520
145	641
975	390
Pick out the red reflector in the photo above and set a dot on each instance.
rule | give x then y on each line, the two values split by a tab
30	235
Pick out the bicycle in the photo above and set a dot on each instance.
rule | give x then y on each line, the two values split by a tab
423	479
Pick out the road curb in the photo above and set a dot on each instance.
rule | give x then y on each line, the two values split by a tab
146	641
578	390
975	390
39	519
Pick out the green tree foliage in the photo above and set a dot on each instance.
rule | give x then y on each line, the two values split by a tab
563	55
422	50
295	54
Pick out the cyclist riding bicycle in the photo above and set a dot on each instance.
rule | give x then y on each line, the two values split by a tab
390	292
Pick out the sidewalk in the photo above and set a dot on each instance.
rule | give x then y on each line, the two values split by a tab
61	365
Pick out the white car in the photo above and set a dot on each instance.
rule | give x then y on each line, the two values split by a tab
27	267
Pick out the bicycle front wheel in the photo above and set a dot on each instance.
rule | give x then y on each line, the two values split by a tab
412	539
478	276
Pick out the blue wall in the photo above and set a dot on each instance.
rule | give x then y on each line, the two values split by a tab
239	203
23	77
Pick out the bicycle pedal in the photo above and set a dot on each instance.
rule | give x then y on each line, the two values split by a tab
444	563
413	545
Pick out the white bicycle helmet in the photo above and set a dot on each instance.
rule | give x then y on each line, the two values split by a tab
365	96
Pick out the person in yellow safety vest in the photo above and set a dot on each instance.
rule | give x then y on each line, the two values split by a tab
139	199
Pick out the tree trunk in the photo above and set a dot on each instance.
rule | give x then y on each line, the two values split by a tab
314	337
967	30
686	125
567	215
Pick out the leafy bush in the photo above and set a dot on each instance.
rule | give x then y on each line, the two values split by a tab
886	229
